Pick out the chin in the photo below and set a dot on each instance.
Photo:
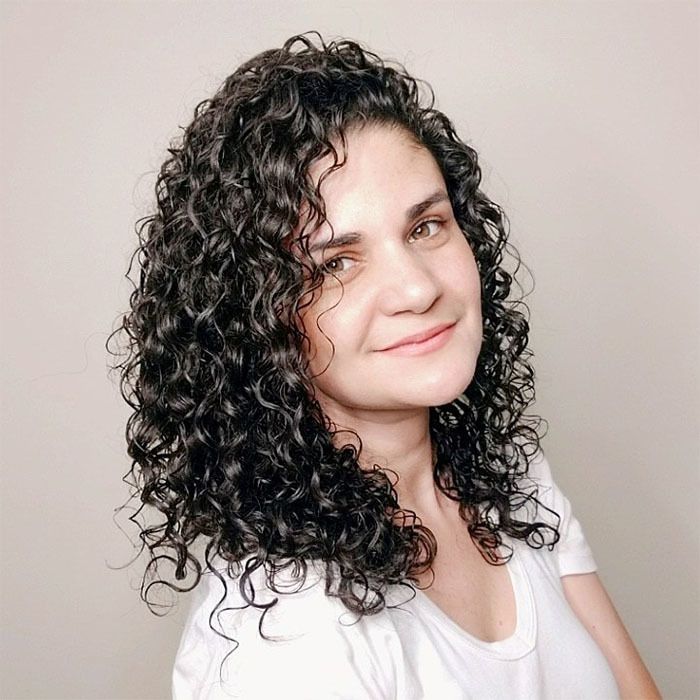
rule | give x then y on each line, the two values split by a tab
445	398
442	392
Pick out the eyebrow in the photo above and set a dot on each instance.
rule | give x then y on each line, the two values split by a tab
352	237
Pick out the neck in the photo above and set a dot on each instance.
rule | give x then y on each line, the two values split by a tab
400	441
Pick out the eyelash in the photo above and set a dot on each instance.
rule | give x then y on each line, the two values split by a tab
323	266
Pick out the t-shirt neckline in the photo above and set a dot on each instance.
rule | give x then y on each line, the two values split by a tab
521	642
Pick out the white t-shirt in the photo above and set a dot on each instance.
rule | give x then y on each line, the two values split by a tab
415	652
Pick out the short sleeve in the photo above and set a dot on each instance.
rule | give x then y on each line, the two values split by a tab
316	657
572	552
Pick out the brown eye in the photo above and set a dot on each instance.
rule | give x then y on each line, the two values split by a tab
423	225
327	268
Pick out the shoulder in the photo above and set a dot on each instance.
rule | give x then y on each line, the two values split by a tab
540	482
573	553
540	470
315	647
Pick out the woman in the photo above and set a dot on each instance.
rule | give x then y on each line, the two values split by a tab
330	386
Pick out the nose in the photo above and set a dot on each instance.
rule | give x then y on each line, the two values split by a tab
405	281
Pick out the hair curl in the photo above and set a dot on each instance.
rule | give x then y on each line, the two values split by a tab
227	439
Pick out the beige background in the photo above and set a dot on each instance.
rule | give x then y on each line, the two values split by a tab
586	119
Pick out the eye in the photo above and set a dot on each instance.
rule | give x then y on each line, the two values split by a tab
424	225
327	268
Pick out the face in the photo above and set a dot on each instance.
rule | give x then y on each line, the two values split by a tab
402	267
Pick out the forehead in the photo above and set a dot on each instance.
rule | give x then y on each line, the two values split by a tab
383	170
369	151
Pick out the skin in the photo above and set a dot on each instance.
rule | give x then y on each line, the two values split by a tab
403	277
592	604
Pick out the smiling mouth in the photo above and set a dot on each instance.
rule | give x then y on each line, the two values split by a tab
433	342
420	337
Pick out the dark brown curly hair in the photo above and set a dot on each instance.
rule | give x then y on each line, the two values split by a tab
229	445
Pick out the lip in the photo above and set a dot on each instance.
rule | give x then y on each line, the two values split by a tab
422	342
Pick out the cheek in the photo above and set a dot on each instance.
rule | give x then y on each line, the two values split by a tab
464	275
474	277
313	322
325	331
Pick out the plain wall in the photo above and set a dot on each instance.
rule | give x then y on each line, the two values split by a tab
586	120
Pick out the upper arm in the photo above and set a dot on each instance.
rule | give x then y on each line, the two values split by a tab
585	592
594	608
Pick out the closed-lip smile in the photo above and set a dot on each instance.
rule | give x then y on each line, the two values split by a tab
419	337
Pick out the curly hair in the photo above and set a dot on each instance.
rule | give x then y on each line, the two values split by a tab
227	440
